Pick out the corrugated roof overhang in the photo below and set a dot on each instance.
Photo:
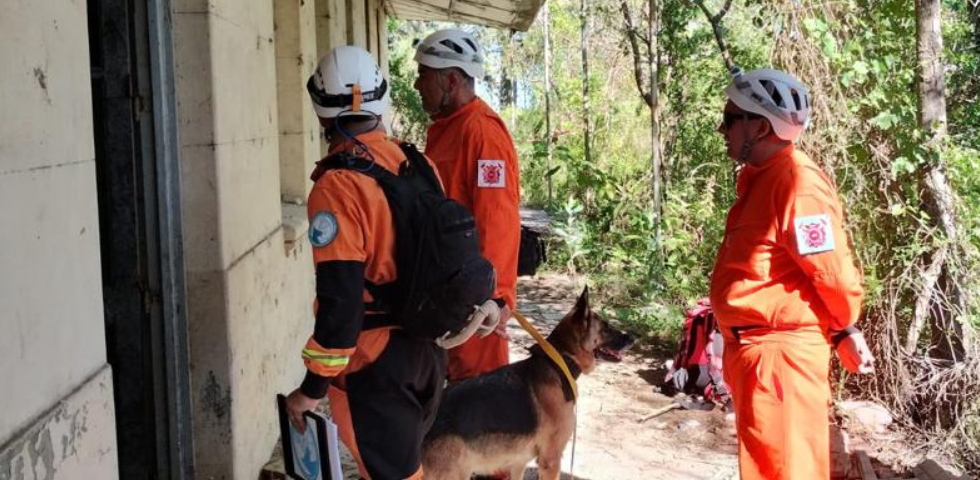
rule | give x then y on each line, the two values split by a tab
505	14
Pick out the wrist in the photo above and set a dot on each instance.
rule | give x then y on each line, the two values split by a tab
314	386
840	335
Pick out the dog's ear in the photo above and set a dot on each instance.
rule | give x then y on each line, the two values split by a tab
582	304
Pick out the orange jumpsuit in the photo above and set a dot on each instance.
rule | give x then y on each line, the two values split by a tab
384	386
783	280
477	162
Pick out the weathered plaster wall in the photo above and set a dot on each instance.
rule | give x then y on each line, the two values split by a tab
75	440
57	420
249	295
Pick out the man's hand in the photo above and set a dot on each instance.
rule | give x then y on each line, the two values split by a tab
296	405
680	378
501	329
855	355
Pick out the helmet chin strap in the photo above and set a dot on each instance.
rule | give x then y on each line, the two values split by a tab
747	143
743	155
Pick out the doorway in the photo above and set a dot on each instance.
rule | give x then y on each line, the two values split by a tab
137	175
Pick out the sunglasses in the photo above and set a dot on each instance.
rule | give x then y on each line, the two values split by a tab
729	118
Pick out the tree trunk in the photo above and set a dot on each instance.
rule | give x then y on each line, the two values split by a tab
656	157
975	18
715	21
649	91
632	36
932	85
507	90
585	80
946	296
547	98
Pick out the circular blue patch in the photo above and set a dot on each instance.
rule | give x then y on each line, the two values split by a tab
323	229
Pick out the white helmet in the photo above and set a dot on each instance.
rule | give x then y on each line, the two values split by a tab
776	95
348	81
451	48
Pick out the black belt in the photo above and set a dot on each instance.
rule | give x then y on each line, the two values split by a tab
737	330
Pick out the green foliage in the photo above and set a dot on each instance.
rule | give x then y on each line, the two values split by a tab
411	121
858	57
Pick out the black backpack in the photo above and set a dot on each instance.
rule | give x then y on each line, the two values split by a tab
441	274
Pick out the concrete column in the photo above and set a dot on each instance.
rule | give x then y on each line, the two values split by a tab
373	28
248	299
331	25
357	23
299	148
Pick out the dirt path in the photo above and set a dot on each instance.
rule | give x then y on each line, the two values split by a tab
611	444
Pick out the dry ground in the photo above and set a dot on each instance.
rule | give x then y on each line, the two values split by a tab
611	444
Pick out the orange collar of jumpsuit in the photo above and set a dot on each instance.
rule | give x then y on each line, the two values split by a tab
367	138
476	104
750	172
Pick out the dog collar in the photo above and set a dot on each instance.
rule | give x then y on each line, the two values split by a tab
549	350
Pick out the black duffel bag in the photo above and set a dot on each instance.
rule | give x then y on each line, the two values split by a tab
532	253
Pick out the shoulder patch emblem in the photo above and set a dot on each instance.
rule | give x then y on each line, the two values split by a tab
814	234
323	229
491	174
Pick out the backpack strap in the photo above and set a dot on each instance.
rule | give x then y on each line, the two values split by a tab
382	294
347	161
414	160
418	162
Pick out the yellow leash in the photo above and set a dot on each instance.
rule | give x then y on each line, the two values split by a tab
555	357
549	350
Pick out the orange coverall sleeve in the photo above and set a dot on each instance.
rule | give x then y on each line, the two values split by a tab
812	232
334	196
339	254
495	204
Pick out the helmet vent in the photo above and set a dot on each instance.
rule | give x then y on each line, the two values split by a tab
777	98
453	45
796	99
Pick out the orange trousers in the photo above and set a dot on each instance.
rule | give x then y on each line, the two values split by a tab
477	356
782	397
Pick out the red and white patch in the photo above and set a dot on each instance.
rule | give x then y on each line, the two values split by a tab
814	234
491	174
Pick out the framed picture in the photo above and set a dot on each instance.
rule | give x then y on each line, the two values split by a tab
312	454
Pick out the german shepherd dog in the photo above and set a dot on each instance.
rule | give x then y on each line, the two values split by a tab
499	421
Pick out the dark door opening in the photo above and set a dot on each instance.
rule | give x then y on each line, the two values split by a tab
138	224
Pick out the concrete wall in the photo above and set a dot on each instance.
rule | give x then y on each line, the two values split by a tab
57	419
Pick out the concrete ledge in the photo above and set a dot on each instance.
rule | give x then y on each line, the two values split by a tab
294	225
74	440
